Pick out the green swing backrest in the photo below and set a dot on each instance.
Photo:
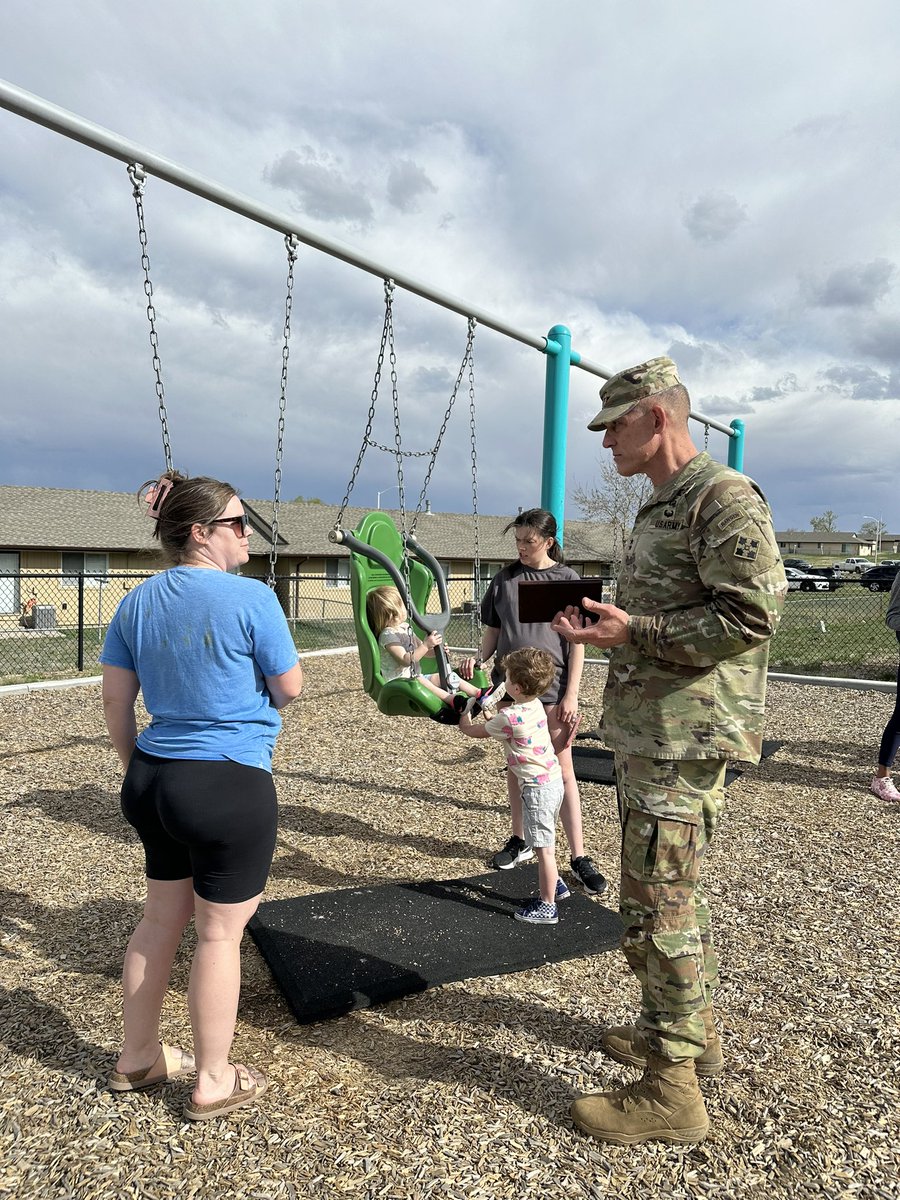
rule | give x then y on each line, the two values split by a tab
397	697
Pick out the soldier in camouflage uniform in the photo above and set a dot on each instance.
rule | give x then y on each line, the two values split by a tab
699	596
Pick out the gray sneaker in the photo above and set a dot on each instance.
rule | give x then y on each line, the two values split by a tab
514	852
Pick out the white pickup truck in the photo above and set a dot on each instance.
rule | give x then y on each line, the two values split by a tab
853	566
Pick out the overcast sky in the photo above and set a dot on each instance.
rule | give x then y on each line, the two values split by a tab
717	182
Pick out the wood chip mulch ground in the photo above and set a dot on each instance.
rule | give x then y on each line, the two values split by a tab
462	1091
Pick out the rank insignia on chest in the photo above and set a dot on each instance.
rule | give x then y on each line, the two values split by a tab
747	548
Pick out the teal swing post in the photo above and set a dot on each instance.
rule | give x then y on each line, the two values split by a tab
736	445
556	417
560	359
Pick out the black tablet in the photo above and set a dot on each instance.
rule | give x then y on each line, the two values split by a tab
540	601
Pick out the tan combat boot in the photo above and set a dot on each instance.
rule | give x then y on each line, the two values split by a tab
665	1105
629	1045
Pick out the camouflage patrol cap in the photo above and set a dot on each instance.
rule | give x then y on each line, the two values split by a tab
621	392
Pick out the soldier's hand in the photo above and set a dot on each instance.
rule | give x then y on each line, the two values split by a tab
570	624
608	628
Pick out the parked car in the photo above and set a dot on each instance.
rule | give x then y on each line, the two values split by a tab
880	578
853	566
803	581
800	564
889	562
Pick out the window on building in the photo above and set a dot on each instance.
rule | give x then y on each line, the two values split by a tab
444	564
489	570
337	572
95	568
9	581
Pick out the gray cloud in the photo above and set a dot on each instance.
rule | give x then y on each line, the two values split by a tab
880	338
785	386
857	286
432	379
406	183
529	221
714	217
723	406
859	382
688	357
692	356
320	186
820	126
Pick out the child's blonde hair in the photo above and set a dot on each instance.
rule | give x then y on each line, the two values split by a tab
530	669
384	606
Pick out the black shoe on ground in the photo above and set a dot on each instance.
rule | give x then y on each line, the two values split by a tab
514	852
593	883
446	715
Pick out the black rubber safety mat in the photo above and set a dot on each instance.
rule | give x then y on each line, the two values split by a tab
333	952
594	764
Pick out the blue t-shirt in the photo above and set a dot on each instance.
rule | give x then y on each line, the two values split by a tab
200	642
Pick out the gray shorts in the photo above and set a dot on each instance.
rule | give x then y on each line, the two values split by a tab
541	803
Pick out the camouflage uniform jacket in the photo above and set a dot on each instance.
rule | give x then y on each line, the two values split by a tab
703	584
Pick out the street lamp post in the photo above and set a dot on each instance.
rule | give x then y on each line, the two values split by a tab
878	527
378	495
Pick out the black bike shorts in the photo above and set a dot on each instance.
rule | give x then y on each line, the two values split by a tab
214	822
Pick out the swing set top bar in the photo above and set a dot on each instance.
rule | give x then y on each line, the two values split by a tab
69	124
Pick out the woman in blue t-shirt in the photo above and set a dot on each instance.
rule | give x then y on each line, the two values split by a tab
215	661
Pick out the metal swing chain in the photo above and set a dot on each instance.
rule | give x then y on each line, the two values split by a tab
474	443
467	361
398	456
706	438
290	243
137	176
387	331
393	450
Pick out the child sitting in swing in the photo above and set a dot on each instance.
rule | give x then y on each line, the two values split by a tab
402	651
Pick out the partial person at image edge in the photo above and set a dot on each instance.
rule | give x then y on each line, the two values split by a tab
882	784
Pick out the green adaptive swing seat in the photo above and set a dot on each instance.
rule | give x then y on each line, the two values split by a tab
395	697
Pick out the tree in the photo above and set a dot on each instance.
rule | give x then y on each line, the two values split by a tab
871	530
306	500
827	523
614	500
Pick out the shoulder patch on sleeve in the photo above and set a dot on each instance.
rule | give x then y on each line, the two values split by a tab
747	548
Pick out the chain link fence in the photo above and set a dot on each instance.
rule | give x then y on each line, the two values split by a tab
52	625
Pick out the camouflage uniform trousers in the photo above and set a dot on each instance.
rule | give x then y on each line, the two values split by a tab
669	809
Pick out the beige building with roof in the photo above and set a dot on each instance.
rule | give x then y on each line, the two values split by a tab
49	537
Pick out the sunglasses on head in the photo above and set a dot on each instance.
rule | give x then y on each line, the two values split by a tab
239	524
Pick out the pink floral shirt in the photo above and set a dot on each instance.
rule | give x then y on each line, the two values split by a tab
529	751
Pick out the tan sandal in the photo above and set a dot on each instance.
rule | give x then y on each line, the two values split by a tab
171	1063
249	1085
